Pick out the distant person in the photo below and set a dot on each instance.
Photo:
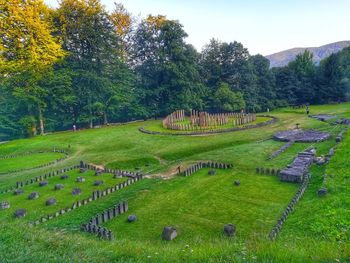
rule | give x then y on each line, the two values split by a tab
307	110
74	128
268	110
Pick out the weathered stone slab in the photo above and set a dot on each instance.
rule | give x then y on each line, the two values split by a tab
33	195
299	135
169	233
229	230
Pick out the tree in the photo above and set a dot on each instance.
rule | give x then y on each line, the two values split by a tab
304	69
333	77
167	67
27	52
89	36
265	83
229	63
227	100
123	23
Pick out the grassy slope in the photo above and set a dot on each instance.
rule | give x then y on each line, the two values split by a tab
198	205
28	161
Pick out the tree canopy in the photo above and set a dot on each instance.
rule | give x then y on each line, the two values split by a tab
82	65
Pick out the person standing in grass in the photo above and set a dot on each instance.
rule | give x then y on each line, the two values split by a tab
307	110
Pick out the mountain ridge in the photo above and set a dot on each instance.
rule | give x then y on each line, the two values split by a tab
282	58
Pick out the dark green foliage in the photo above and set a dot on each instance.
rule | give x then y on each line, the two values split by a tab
167	68
96	83
225	100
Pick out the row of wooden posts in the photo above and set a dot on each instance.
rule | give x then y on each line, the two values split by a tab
203	120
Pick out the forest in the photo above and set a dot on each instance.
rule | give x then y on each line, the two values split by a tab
80	64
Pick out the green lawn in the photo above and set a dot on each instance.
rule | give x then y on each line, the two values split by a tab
199	205
28	161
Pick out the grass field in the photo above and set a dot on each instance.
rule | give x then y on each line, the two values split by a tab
28	161
317	231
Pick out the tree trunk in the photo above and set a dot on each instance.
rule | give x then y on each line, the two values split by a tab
91	124
90	112
105	118
41	121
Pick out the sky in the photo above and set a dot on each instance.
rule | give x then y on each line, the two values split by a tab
264	27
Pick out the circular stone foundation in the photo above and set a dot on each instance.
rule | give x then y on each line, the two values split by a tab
299	135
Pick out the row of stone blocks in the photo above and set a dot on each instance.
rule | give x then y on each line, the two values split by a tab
194	168
93	225
340	136
281	150
277	228
268	171
95	195
111	171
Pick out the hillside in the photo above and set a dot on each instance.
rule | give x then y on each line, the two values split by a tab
282	58
317	230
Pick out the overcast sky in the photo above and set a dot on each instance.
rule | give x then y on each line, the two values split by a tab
263	26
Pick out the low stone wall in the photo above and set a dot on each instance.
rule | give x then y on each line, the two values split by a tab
93	225
281	150
122	173
298	195
204	132
196	167
31	153
340	136
268	171
299	168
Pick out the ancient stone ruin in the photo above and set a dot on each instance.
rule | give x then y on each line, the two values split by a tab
50	201
43	183
169	233
298	195
20	213
4	205
98	183
65	176
299	135
33	196
196	167
80	179
342	121
299	168
323	117
76	191
93	225
229	230
132	218
19	191
237	183
59	186
202	120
